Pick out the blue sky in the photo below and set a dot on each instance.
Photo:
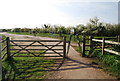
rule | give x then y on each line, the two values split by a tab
83	11
34	13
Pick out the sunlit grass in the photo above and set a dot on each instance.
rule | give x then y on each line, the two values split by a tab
26	67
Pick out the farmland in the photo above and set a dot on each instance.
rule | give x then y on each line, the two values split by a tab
88	49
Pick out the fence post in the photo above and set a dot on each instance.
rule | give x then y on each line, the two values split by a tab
79	43
91	45
8	46
83	50
64	47
103	45
118	38
0	60
91	42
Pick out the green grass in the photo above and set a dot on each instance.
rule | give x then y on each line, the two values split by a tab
109	62
23	33
26	67
3	45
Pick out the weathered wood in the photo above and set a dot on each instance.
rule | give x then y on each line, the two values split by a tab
4	48
0	62
91	42
83	50
52	53
8	46
111	51
103	45
79	43
50	48
23	48
2	41
39	45
61	43
105	37
36	49
87	45
4	55
109	42
97	40
103	41
64	47
37	56
118	38
39	53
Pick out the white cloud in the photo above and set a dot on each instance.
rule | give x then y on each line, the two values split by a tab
29	13
32	13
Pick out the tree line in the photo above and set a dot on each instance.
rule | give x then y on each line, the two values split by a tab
93	27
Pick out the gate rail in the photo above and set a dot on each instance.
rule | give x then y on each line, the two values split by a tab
3	48
23	47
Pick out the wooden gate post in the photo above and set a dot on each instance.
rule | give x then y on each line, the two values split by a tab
91	42
8	46
118	38
64	47
79	43
83	50
91	45
0	60
103	45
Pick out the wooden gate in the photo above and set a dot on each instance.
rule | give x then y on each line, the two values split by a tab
36	48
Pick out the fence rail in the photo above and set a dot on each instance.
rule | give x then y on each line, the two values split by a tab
104	44
38	45
111	51
109	42
3	50
103	41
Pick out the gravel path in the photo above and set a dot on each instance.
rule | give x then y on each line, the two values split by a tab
75	67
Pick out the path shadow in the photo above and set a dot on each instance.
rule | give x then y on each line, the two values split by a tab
32	67
71	64
25	69
9	69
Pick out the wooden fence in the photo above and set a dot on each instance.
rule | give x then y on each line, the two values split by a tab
104	44
15	48
3	48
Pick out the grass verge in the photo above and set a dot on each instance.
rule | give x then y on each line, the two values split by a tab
26	67
109	62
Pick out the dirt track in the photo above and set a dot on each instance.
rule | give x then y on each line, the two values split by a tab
75	67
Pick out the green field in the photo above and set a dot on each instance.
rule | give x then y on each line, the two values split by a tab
25	67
